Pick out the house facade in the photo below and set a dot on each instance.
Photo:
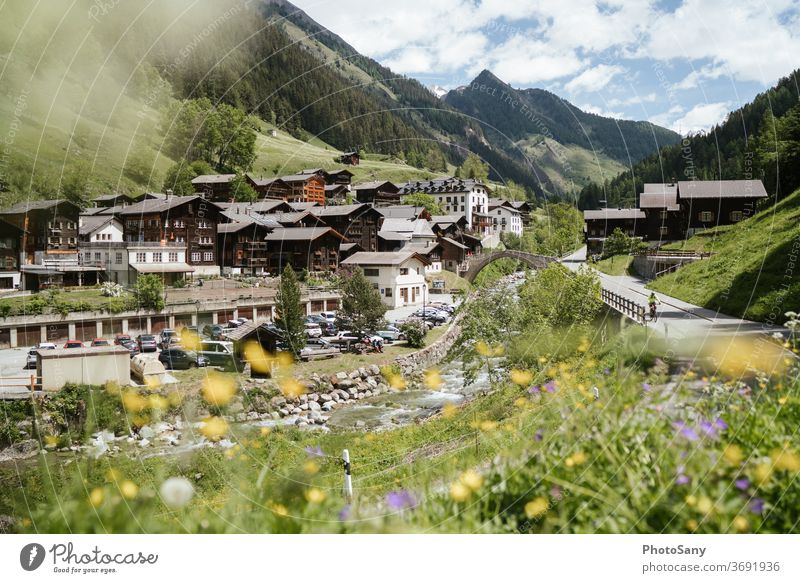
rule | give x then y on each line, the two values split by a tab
10	241
357	223
708	203
216	187
305	188
313	248
465	196
505	218
599	224
399	277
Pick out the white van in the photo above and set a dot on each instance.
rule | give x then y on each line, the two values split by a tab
329	316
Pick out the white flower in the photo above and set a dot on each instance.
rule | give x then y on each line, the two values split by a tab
176	492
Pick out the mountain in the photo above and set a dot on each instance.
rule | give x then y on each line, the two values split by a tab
553	135
438	90
759	140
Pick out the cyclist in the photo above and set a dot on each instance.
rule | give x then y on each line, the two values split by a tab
652	301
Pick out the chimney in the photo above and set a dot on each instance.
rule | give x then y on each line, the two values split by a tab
168	193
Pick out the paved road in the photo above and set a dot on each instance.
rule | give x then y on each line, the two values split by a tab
676	319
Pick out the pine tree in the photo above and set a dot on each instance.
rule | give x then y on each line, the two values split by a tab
290	313
361	303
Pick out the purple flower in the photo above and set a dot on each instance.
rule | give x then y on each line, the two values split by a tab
344	513
682	480
606	371
742	483
678	424
534	390
401	499
645	387
555	492
708	429
757	506
690	434
538	436
720	424
314	451
550	386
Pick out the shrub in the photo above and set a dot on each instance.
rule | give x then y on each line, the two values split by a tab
414	333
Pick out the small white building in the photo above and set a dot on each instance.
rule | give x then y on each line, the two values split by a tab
398	276
454	195
505	218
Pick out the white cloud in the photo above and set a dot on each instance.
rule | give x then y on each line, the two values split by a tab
589	108
701	117
522	60
693	79
632	100
593	79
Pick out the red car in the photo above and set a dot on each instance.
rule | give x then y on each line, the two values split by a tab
122	339
100	342
73	344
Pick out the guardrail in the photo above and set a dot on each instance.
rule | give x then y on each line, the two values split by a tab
28	382
624	306
671	253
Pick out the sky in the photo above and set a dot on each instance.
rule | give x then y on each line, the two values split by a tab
683	64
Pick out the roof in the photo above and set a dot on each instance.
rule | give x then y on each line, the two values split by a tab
160	205
91	223
447	219
338	210
394	236
721	189
299	177
454	243
250	327
403	211
613	214
266	181
258	206
213	178
300	234
302	206
383	258
107	197
245	220
162	267
35	205
421	247
348	246
373	185
441	185
290	218
398	225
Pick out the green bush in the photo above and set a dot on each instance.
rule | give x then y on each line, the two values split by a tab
415	333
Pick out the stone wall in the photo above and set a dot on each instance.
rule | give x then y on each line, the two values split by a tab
416	362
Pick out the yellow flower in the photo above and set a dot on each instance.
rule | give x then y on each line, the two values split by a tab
190	340
157	403
736	355
315	496
741	524
279	509
291	387
214	428
432	379
536	507
260	360
704	504
691	524
396	381
128	489
482	348
783	400
762	473
521	377
690	500
96	497
218	389
112	475
542	359
472	480
265	431
487	426
311	467
459	492
733	454
521	402
284	360
499	350
152	382
51	440
133	402
785	460
175	399
449	410
576	459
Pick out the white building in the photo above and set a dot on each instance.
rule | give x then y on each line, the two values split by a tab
398	276
454	195
505	218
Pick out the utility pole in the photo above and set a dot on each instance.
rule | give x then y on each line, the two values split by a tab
348	483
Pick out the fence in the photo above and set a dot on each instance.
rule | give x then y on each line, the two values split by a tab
670	253
624	306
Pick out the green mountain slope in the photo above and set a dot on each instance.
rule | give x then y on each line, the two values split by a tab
752	272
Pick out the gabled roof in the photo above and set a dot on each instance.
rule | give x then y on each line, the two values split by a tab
454	242
213	178
91	223
613	214
262	182
398	225
394	236
659	196
161	205
403	211
448	219
340	210
721	189
422	247
259	206
383	258
107	197
302	206
244	219
36	205
442	185
299	177
290	218
374	184
301	234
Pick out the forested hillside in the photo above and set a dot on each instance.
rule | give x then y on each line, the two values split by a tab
759	140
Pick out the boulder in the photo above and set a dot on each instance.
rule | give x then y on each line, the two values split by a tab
362	372
325	398
374	370
328	406
20	450
346	384
277	402
341	376
354	375
313	397
313	406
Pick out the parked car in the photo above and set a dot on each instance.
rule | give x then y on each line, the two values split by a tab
147	343
313	330
220	354
30	361
100	342
432	315
73	344
132	347
329	316
441	306
122	338
213	331
166	335
390	334
180	358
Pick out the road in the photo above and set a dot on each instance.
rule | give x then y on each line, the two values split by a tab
677	319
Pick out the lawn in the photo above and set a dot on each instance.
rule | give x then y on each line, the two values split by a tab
753	270
619	265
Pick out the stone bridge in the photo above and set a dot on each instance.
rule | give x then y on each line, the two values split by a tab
478	262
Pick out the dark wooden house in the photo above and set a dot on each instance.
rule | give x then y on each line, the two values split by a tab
378	192
10	245
241	244
708	203
358	223
599	224
663	216
349	158
270	188
311	248
215	187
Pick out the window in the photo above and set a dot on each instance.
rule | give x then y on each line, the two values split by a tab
173	257
97	256
706	216
208	256
662	214
388	292
663	231
404	271
157	257
141	258
118	258
180	239
195	256
736	216
371	271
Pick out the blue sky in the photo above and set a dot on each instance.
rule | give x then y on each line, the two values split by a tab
683	64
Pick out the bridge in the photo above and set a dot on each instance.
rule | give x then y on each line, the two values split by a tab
477	262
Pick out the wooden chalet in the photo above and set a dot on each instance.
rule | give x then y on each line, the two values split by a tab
349	158
270	188
311	248
215	187
358	223
378	192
